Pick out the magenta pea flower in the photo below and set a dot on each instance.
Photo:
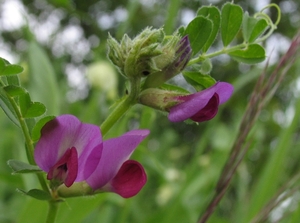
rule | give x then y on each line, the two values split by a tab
200	106
70	151
115	172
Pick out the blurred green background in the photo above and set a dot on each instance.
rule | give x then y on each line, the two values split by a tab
62	46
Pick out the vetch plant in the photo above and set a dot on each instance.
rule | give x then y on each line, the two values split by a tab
70	151
73	159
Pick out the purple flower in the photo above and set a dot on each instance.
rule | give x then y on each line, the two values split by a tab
114	171
64	147
201	106
70	151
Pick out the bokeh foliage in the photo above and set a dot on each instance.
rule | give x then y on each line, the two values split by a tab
183	162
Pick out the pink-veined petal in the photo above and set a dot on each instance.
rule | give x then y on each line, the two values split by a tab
115	152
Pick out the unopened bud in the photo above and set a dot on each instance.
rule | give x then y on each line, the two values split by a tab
134	58
176	58
159	99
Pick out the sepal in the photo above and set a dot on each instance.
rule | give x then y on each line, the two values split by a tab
159	99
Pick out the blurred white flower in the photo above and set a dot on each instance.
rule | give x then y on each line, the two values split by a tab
102	75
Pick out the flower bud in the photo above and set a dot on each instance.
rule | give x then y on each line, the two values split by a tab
159	99
171	62
199	107
134	58
115	54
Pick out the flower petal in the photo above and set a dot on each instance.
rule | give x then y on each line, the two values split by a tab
129	180
115	152
183	53
62	133
66	168
209	111
224	90
193	103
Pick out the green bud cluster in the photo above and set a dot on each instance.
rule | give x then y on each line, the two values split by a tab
135	57
148	53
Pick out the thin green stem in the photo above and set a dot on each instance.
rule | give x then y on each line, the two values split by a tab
224	50
29	143
122	107
52	211
278	12
116	114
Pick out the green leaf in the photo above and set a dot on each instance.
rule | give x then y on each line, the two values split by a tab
7	107
10	80
35	109
36	131
21	167
43	85
214	15
30	122
198	31
13	80
14	90
181	30
252	54
37	194
253	27
259	28
24	103
231	20
30	109
3	63
248	24
11	70
198	80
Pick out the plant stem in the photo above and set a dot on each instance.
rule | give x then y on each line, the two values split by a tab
224	50
29	143
123	106
52	211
